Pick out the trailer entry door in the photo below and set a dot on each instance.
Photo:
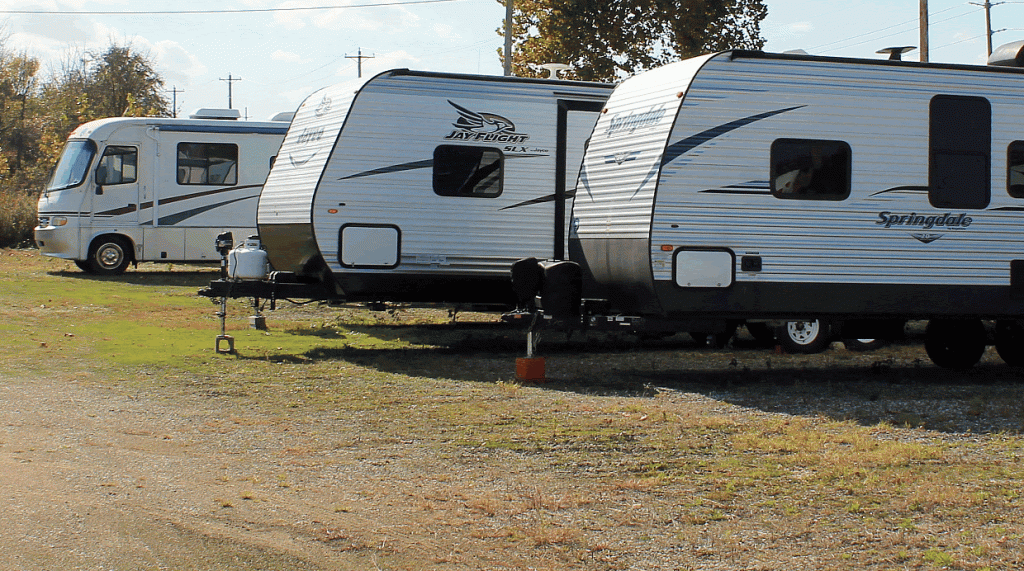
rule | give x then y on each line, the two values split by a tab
960	147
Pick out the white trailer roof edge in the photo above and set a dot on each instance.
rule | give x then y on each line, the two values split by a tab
756	54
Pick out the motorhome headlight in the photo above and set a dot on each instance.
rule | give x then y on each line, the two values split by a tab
58	220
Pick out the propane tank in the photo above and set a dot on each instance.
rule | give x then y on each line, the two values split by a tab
248	261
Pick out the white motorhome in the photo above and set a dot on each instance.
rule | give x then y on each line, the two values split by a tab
755	186
138	189
423	187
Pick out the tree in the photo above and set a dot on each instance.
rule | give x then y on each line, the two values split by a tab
606	40
17	86
122	82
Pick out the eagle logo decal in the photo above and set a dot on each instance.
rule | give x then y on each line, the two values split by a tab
478	126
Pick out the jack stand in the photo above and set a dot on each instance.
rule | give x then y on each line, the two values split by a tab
222	314
257	320
531	368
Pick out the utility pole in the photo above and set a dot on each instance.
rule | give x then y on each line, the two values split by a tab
360	58
988	20
508	37
174	100
924	30
230	80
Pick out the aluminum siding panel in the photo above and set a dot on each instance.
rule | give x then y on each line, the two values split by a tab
380	173
717	194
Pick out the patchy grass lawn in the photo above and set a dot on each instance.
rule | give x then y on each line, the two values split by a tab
632	456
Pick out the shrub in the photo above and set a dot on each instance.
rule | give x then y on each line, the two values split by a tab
17	217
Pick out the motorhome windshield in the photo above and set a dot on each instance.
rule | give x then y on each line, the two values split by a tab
73	165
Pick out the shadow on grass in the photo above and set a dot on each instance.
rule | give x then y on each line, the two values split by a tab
908	391
190	278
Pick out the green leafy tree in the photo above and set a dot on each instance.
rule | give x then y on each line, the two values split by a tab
606	40
122	82
38	113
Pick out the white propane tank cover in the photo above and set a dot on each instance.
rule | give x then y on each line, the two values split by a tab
248	261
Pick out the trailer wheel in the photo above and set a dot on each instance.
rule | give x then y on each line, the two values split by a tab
715	340
1010	342
864	344
807	336
955	343
109	256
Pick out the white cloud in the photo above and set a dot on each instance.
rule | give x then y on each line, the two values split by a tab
446	32
289	57
177	63
391	19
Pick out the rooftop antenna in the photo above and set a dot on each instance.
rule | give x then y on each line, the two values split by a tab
554	68
896	53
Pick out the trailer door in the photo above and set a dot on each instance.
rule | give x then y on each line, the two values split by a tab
576	120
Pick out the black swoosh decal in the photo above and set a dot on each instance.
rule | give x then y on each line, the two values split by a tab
428	163
176	218
899	188
541	200
679	148
118	211
392	169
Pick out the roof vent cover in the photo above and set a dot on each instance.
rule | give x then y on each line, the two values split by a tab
1009	55
227	114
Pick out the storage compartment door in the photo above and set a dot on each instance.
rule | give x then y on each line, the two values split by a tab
704	268
369	246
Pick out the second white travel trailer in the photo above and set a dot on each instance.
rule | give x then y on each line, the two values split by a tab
423	187
775	187
139	189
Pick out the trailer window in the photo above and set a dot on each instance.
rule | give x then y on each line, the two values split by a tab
810	169
207	163
119	165
960	147
468	171
1015	169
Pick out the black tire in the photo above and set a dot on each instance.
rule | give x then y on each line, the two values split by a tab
807	336
865	344
955	343
715	340
109	256
1010	342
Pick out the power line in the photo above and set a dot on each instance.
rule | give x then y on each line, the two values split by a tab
893	34
222	11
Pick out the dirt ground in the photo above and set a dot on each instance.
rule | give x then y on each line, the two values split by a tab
94	479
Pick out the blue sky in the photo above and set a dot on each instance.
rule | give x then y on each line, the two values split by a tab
284	55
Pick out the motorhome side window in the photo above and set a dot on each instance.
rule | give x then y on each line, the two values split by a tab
960	148
207	163
1015	169
119	165
810	169
468	171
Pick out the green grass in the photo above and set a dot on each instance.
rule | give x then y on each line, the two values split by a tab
621	420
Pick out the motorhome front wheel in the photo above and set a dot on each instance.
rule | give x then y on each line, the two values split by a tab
109	256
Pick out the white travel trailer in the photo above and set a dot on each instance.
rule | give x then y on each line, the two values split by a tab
136	189
774	187
423	187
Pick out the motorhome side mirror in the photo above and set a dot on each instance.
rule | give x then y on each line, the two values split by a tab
101	178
